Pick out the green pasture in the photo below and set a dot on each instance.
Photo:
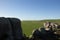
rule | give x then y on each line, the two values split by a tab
28	26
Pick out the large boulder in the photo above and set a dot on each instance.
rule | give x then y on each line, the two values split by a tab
16	28
10	29
5	29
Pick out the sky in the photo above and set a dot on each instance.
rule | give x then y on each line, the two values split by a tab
30	9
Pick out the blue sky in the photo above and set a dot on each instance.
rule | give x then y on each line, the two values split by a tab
30	9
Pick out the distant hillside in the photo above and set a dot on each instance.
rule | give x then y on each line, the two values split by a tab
29	25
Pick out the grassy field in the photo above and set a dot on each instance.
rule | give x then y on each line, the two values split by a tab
28	26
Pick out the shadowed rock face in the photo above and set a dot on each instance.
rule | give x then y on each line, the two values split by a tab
58	30
16	28
10	29
5	29
58	26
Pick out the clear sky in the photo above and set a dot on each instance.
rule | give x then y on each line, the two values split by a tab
30	9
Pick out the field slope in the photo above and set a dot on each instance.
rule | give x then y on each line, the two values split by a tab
28	26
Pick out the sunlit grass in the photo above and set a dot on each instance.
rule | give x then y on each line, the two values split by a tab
28	26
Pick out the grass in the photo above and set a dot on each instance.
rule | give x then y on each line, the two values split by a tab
28	26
